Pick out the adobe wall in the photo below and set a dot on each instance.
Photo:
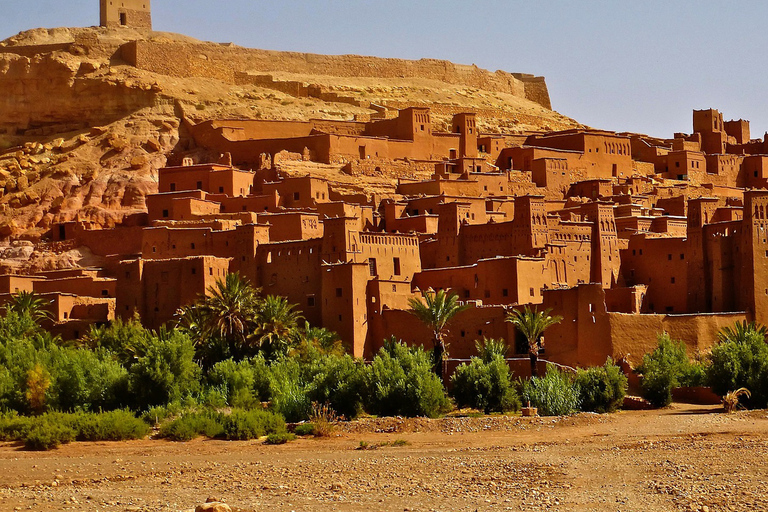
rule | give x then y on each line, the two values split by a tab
126	13
222	61
635	335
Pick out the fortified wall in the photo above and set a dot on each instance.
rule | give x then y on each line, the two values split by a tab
224	61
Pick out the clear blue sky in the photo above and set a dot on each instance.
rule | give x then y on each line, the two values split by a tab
620	65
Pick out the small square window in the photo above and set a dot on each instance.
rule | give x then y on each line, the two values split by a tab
672	280
311	301
505	292
165	214
531	292
338	292
194	270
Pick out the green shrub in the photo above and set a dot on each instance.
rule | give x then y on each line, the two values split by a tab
86	380
236	379
117	425
304	429
337	381
663	369
14	427
289	390
741	362
192	425
47	435
400	382
243	425
167	371
555	394
279	438
485	385
602	388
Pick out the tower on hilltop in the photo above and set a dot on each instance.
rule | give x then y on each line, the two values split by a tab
125	13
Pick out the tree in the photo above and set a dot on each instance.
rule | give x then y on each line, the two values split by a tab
532	324
228	312
437	310
276	321
29	303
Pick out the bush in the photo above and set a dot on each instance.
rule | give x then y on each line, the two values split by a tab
279	438
243	425
304	429
555	394
602	388
400	382
14	427
117	425
192	425
664	369
485	385
47	435
337	381
166	372
288	390
244	382
85	379
738	363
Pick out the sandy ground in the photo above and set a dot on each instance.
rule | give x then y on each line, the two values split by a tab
685	457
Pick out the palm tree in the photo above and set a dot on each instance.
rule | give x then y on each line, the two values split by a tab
741	332
532	324
29	303
308	338
437	310
276	321
228	311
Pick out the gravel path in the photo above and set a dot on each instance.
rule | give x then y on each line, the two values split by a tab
682	458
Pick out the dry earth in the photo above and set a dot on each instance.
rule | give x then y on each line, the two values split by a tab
685	457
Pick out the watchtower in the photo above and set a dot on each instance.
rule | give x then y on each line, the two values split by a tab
126	13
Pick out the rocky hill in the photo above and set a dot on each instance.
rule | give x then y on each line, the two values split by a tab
89	115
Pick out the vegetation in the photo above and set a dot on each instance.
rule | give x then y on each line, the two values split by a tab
532	324
554	394
602	388
435	312
665	368
740	360
486	382
400	382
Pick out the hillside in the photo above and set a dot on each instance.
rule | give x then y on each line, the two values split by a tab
92	113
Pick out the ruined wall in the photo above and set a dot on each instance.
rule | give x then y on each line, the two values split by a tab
223	61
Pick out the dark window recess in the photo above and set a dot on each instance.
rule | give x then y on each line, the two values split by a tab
296	196
505	292
173	187
165	214
221	190
311	301
338	292
372	266
194	270
200	185
105	293
396	264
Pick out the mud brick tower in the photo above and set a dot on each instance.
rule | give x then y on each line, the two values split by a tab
125	13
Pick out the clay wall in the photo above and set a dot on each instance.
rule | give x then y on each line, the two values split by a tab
105	242
726	167
10	283
635	335
396	255
463	330
755	171
501	280
344	304
213	179
739	130
662	265
184	60
84	286
260	203
125	13
301	192
293	270
292	226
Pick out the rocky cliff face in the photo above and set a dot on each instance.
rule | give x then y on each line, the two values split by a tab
83	130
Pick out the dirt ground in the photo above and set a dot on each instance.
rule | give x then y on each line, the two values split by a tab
685	457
